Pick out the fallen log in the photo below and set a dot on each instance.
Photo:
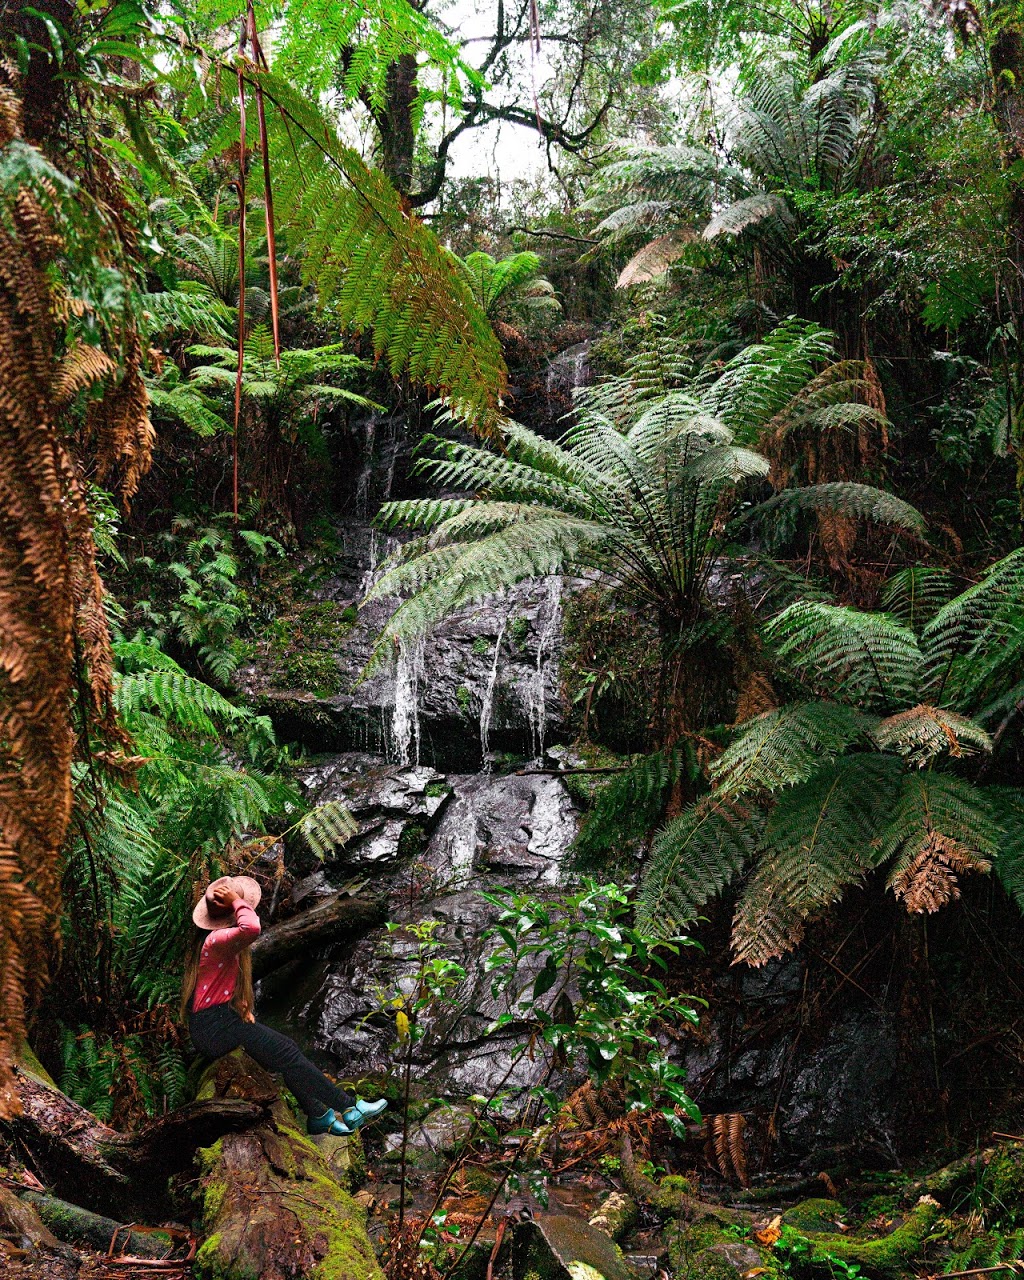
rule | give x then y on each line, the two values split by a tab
75	1225
25	1237
334	918
125	1175
271	1205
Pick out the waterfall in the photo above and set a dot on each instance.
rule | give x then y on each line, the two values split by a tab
549	615
487	705
405	720
376	480
568	371
366	474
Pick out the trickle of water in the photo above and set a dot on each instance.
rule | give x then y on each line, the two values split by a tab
570	369
366	474
405	719
487	705
382	441
549	616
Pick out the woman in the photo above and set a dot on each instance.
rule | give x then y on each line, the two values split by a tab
217	1000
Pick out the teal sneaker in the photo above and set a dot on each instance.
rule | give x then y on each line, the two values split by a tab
329	1123
363	1111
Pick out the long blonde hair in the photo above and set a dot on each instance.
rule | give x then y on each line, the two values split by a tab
243	997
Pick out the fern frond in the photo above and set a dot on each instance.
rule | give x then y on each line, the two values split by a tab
819	839
692	860
627	807
1007	805
941	829
787	746
378	268
845	498
914	595
735	218
654	259
924	732
975	643
867	658
327	827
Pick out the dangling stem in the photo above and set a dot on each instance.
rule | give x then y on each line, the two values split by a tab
240	188
268	195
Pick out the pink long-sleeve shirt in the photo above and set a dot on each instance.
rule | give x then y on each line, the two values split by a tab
218	961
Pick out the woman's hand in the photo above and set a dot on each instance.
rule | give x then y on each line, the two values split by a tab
247	1014
224	897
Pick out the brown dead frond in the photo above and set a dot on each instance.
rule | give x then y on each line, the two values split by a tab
725	1149
931	879
756	696
82	367
54	643
591	1108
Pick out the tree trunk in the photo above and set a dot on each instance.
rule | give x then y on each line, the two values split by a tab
1006	58
395	123
125	1175
74	1225
326	922
272	1206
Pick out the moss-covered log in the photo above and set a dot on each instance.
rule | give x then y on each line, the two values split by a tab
74	1225
882	1256
272	1208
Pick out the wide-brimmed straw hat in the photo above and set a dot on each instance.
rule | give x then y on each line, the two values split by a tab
245	886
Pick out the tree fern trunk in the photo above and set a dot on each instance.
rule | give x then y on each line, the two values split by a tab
1006	58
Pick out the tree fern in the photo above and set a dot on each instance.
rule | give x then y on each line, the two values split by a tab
375	266
787	134
640	501
511	287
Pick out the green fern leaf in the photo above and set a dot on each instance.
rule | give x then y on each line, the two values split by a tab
692	860
819	839
866	658
787	746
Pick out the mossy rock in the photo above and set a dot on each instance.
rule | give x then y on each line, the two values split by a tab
815	1215
616	1215
882	1256
558	1247
272	1207
727	1260
687	1243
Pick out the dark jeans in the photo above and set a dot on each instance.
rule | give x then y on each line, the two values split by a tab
219	1029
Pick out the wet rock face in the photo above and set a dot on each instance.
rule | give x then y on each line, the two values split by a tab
832	1085
484	681
431	842
844	1092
